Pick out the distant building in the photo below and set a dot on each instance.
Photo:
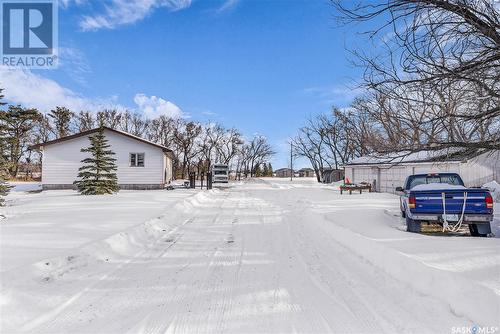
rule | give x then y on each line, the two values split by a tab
283	172
141	164
306	172
387	172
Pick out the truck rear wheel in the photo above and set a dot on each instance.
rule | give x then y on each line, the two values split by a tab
412	225
479	230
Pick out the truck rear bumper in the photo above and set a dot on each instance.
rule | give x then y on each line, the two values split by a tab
468	218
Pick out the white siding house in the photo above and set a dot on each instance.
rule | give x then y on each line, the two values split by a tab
387	173
141	164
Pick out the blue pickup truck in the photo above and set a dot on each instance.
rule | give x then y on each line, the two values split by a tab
442	198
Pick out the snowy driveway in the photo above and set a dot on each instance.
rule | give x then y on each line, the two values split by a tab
262	257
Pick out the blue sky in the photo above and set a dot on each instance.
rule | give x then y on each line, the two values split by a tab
260	66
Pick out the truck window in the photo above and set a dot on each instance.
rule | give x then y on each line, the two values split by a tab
434	178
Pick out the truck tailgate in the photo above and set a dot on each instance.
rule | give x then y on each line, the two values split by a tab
431	201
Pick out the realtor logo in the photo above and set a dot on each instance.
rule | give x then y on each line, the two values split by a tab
29	33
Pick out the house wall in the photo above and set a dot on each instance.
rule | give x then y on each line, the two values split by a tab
61	162
482	169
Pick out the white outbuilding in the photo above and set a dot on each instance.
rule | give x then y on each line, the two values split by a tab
389	171
141	164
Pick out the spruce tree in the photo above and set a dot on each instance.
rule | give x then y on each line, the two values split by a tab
61	117
265	170
4	186
270	169
257	171
98	174
4	171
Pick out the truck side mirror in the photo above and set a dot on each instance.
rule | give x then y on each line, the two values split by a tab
400	189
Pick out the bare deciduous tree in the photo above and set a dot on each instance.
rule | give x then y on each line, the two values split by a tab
439	67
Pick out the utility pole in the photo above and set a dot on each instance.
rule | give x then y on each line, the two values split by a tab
291	161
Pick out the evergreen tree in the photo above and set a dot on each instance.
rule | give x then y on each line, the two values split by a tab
265	170
270	169
98	174
61	117
4	186
4	172
16	126
1	97
257	171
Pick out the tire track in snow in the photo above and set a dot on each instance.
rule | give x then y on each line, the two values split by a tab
378	300
182	297
54	314
70	313
207	314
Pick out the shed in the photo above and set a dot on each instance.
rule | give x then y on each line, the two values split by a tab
141	164
330	175
386	172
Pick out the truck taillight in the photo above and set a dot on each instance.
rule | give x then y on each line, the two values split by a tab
489	201
412	202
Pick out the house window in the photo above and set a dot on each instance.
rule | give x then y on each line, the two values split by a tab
136	159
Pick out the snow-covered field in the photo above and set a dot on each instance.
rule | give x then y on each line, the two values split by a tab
263	256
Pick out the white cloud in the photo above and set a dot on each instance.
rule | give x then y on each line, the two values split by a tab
209	113
74	62
34	91
125	12
153	107
227	5
337	94
66	3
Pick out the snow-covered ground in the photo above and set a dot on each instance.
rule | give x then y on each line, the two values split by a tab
262	256
42	225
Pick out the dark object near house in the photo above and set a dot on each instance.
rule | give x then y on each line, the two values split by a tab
192	180
332	175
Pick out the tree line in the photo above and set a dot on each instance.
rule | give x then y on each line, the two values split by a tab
432	83
195	145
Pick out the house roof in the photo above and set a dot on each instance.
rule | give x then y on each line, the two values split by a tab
443	155
306	170
89	132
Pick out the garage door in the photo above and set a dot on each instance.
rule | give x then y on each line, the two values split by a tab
391	178
364	175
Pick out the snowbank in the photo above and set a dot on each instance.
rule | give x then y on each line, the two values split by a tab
94	261
494	189
43	225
